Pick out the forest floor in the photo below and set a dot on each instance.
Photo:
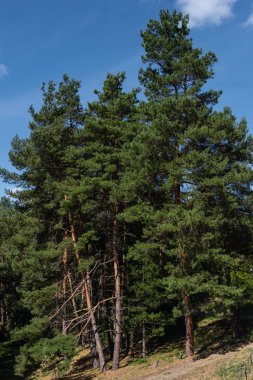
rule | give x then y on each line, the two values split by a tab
222	366
218	357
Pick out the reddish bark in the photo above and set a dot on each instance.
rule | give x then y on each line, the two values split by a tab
189	332
67	277
118	313
64	288
189	341
87	290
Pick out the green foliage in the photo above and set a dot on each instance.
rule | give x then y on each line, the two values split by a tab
33	331
156	193
45	351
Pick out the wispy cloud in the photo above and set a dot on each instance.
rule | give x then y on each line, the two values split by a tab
249	21
3	71
204	12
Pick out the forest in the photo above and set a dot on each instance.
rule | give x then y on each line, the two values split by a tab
131	217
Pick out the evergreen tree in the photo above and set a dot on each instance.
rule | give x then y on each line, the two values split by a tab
190	155
127	215
110	124
44	160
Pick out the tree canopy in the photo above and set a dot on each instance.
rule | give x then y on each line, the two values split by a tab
130	215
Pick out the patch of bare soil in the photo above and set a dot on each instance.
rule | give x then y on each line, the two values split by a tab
202	369
208	368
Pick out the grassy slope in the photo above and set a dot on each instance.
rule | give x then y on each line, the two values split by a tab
218	356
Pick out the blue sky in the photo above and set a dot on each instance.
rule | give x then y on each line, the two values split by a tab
41	40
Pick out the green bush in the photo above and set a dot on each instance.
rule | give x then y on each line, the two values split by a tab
44	352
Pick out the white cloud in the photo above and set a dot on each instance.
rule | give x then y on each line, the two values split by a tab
249	21
3	70
207	11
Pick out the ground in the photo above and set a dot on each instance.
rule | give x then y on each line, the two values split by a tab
219	357
223	366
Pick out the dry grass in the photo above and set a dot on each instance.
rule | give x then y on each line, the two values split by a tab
218	358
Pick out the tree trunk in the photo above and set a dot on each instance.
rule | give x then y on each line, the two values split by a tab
105	293
109	333
67	276
143	341
131	344
118	315
64	289
99	347
189	341
72	294
235	322
94	351
189	333
87	288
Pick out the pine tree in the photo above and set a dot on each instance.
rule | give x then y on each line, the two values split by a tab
129	215
180	118
45	163
110	123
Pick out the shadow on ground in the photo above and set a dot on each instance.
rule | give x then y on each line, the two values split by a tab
211	337
217	338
